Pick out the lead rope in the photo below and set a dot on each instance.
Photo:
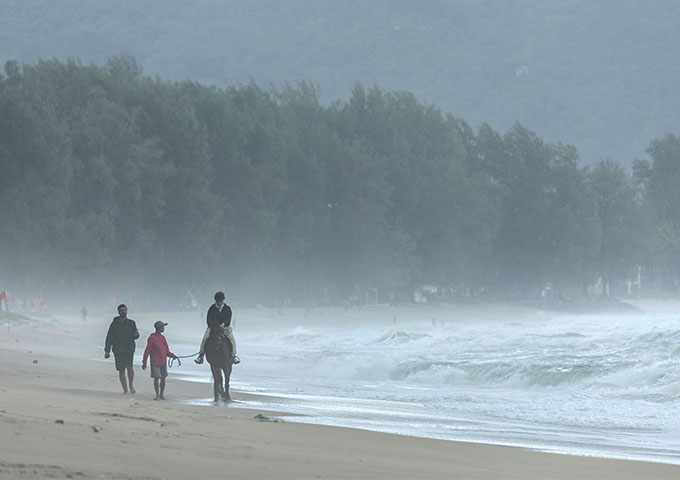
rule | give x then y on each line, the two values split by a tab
179	362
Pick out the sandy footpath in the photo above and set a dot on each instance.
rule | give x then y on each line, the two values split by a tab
62	415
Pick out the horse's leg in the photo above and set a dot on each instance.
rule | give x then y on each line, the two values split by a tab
226	368
227	374
217	380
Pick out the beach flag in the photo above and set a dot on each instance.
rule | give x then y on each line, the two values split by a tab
3	296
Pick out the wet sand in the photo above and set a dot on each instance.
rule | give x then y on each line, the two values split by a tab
62	415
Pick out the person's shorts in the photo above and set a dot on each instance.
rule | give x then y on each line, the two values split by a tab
123	359
160	371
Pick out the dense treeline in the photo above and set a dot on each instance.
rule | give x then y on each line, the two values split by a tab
113	180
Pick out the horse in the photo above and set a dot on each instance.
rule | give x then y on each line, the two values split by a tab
218	353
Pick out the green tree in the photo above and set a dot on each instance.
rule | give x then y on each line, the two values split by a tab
36	166
625	229
546	228
660	181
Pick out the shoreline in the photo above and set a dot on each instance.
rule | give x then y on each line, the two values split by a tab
187	436
134	428
301	408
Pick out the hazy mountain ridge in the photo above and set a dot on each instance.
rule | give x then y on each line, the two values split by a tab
599	75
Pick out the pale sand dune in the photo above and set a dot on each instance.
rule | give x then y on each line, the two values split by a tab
140	438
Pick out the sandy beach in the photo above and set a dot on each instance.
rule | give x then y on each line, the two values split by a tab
63	415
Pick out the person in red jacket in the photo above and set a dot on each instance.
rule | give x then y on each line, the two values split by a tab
157	348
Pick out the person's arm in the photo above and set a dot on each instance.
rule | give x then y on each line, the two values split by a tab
227	322
136	334
167	349
108	342
147	351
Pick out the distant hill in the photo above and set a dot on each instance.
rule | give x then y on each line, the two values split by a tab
601	75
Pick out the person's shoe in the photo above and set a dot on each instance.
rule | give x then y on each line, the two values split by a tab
235	360
199	360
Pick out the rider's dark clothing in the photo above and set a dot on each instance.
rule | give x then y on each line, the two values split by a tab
217	317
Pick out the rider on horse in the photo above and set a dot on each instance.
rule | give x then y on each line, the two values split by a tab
219	316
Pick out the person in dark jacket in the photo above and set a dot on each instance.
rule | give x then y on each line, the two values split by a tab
219	316
121	338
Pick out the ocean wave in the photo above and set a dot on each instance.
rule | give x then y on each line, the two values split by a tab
584	378
583	354
400	337
504	374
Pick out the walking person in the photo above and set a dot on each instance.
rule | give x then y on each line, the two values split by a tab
121	339
157	348
219	316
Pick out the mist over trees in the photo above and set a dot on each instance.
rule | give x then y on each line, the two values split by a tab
112	180
599	75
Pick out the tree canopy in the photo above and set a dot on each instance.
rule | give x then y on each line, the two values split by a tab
113	180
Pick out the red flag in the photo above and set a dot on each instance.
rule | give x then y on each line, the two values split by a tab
3	297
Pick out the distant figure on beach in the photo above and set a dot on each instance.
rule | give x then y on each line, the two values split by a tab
157	347
219	316
83	312
121	338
